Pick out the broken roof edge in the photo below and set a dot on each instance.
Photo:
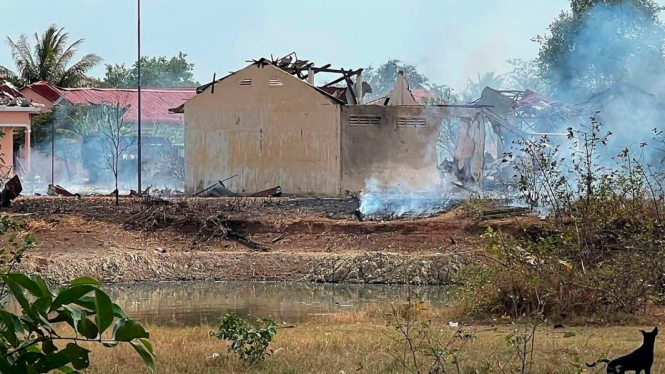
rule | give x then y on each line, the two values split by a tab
260	63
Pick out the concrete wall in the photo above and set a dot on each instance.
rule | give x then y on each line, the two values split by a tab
390	153
269	134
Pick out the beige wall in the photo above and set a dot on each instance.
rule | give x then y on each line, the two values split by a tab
389	153
284	135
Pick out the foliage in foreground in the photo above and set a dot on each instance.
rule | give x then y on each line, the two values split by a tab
52	324
602	252
32	342
248	340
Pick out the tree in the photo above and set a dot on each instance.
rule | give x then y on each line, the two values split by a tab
382	80
524	75
473	89
50	60
155	71
116	137
599	43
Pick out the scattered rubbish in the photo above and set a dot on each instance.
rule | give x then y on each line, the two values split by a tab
453	324
219	190
221	182
58	190
357	215
351	195
213	356
558	326
279	238
271	192
11	191
504	212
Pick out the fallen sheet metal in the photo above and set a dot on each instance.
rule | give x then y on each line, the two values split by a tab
220	190
58	190
271	192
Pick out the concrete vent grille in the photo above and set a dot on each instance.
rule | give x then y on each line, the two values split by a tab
365	120
275	82
245	82
411	121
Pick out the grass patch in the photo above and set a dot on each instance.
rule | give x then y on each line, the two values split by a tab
360	342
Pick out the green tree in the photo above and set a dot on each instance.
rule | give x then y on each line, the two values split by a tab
382	80
49	60
155	71
473	89
599	43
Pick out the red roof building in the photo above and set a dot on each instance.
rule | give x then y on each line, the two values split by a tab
155	101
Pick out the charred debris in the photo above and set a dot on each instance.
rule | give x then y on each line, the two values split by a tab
398	131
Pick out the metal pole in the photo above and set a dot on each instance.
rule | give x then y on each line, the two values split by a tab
53	153
139	94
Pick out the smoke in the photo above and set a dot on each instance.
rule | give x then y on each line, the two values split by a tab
83	151
615	66
399	200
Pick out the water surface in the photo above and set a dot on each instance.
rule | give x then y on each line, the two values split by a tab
194	303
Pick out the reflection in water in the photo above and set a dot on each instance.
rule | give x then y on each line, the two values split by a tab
193	303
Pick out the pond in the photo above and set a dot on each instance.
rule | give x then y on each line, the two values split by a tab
196	303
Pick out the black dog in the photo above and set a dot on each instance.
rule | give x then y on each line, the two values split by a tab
639	360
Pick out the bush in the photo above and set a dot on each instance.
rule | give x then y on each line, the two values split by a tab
248	340
600	254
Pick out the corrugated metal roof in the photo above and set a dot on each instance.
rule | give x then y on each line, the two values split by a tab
46	89
155	102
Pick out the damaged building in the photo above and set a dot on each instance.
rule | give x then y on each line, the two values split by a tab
15	112
271	125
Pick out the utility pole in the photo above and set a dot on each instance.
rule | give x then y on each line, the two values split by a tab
139	94
53	153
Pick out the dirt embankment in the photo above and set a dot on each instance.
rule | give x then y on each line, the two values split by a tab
217	239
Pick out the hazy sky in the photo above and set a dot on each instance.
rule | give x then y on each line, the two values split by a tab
448	40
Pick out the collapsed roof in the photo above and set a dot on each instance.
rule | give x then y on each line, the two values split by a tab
11	97
305	71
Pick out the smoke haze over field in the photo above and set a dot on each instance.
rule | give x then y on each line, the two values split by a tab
448	40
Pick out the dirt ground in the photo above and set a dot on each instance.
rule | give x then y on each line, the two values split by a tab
186	239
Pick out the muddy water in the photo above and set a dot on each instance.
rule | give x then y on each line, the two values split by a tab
194	303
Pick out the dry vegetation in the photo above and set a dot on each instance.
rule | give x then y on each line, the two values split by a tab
360	342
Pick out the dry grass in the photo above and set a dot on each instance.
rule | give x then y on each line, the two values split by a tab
357	342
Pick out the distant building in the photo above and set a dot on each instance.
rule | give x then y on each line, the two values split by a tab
155	104
271	125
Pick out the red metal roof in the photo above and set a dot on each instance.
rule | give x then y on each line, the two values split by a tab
155	102
46	89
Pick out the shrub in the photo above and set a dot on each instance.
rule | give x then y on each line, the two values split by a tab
248	340
601	254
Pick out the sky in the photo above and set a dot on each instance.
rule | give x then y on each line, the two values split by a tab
447	40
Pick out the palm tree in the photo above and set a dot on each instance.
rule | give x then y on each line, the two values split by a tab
49	60
473	89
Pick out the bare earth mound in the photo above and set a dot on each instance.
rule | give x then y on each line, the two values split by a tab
293	239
